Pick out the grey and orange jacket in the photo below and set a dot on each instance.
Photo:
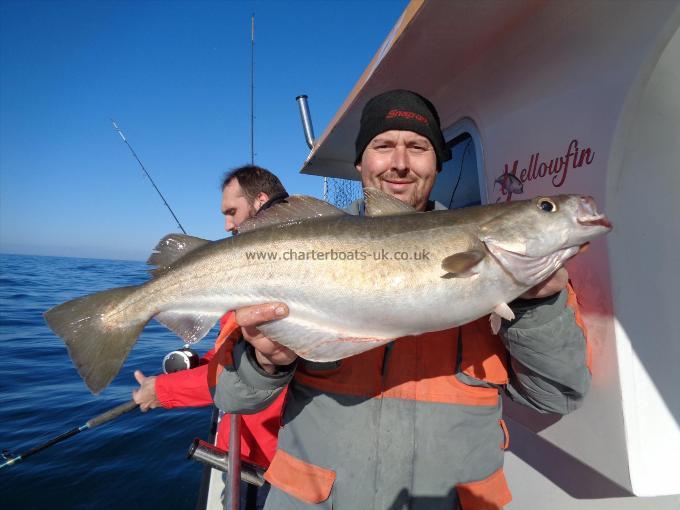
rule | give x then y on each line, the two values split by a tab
417	423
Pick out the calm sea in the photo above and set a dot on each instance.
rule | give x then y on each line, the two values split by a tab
135	461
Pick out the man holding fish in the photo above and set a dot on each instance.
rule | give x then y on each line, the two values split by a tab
395	365
245	191
415	423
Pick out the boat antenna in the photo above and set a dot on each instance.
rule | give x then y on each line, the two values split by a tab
252	89
120	132
89	424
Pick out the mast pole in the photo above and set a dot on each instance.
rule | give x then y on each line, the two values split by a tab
252	89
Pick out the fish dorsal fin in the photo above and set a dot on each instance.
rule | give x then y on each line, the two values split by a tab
172	248
292	209
379	203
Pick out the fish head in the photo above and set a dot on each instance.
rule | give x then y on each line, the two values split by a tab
543	228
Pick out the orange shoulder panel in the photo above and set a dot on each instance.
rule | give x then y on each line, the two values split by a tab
423	368
419	368
357	375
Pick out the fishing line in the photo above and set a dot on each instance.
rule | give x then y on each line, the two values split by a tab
120	132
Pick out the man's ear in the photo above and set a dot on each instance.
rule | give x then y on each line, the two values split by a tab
261	199
358	167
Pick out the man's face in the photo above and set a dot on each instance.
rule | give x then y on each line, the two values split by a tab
402	164
235	206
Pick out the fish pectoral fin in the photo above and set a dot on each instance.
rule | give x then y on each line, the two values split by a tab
462	264
379	203
192	326
292	209
172	248
501	311
514	247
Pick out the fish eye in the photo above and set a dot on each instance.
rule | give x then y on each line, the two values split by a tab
547	205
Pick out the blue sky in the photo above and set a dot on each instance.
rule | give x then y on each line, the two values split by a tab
175	76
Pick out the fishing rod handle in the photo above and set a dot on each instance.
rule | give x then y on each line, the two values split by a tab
111	414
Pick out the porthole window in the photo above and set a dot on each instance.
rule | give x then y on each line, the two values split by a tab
458	184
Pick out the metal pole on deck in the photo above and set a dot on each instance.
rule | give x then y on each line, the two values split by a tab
233	501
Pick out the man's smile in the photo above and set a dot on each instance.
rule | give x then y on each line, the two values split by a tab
398	184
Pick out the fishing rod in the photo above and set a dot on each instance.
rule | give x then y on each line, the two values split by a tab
120	132
89	424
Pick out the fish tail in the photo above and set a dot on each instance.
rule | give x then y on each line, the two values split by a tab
96	334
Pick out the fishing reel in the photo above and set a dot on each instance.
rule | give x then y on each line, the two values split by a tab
181	359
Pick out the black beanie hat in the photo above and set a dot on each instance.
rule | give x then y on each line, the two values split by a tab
402	110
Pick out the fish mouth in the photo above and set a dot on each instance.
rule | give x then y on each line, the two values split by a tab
599	220
588	216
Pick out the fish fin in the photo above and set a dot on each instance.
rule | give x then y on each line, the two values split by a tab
379	203
495	321
189	325
461	264
97	346
504	311
317	343
172	248
292	209
500	311
513	247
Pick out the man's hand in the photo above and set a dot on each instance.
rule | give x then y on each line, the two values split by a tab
552	285
145	395
268	353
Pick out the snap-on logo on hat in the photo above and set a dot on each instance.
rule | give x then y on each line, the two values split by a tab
406	115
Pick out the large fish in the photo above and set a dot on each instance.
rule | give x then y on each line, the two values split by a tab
351	283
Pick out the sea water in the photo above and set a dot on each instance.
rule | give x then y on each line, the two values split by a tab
137	461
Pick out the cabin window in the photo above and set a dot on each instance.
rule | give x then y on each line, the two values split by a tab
458	184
